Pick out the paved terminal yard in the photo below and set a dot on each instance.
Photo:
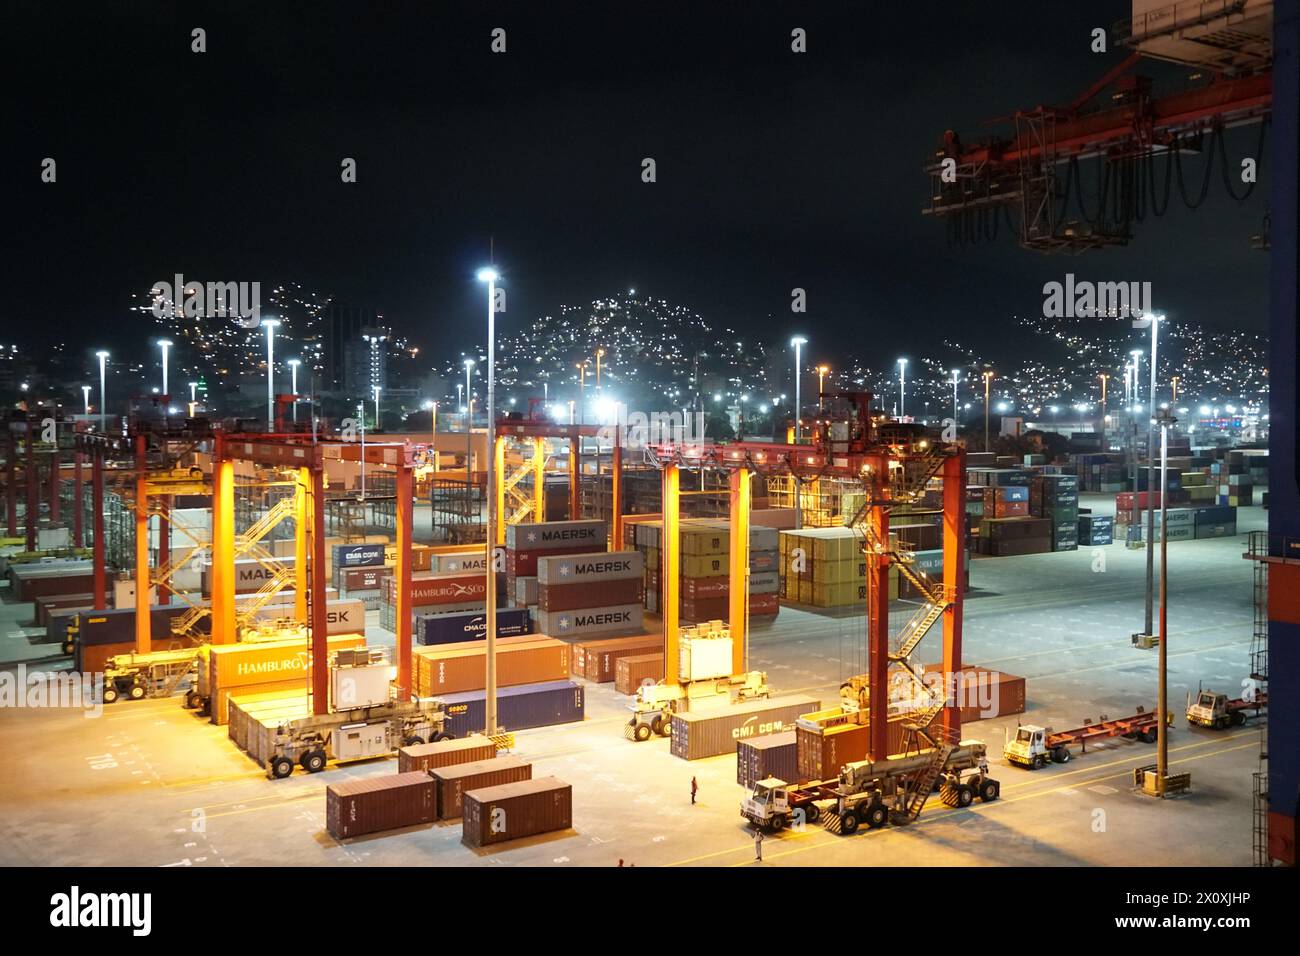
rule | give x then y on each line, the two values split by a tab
151	784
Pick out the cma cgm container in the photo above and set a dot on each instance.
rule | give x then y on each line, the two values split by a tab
451	783
772	755
709	733
358	555
518	708
516	810
354	807
444	753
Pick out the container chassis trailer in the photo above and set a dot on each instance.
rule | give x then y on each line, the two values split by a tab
1034	747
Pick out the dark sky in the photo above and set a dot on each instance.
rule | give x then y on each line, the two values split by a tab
775	170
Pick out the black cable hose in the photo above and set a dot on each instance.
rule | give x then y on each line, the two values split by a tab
1227	170
1157	209
1205	178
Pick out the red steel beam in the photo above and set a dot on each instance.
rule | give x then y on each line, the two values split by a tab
402	578
319	612
954	549
97	529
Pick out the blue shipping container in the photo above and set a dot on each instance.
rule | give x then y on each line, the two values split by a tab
518	708
470	626
1220	514
358	555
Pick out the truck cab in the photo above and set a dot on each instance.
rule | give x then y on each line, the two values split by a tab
769	805
1212	710
1030	747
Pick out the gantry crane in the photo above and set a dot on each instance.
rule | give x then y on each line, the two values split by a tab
1028	174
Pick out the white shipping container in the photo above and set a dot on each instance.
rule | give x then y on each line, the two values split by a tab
590	568
467	561
704	658
616	620
525	591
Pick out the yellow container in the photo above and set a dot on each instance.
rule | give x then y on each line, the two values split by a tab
704	567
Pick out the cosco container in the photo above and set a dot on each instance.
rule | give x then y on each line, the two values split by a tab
355	807
451	783
772	755
518	708
709	733
445	753
516	810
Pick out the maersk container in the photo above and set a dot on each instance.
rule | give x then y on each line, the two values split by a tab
521	707
590	568
772	755
712	732
472	626
610	621
569	535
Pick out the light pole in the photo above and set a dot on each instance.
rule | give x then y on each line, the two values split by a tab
1152	411
103	356
293	387
571	418
433	407
988	377
361	417
271	325
599	354
1174	382
1104	379
582	391
377	391
85	397
902	387
490	695
165	345
798	342
821	385
955	373
469	425
193	386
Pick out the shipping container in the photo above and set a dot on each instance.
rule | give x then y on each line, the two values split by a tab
620	619
362	579
631	672
456	668
772	755
451	782
578	596
708	733
590	568
568	535
358	555
597	661
356	807
454	628
445	753
445	589
516	810
521	707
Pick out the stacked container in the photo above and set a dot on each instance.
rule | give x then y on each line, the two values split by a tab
431	593
826	567
590	593
526	543
454	668
1056	498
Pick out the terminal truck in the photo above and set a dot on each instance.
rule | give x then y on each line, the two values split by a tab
1034	746
1217	711
876	792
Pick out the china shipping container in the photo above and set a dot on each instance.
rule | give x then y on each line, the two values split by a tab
451	783
772	755
708	733
631	672
445	753
455	628
516	810
590	568
522	707
597	661
356	807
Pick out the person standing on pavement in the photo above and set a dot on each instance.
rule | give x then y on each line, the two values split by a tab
695	788
758	845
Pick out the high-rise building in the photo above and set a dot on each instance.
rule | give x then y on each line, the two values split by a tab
366	362
343	326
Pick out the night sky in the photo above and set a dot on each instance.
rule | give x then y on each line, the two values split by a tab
775	170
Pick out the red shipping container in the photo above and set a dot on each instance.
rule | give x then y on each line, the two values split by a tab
452	783
712	609
1010	509
448	589
523	564
355	807
696	589
764	604
631	672
421	758
571	597
516	810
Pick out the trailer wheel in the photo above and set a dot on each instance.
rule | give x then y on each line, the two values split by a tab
1149	735
136	692
1040	761
641	732
441	735
988	790
193	700
1238	718
414	740
1131	735
281	767
67	648
965	794
1061	754
313	762
877	816
660	726
849	822
810	813
110	693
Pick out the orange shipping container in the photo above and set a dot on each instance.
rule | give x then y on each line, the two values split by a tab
244	666
454	668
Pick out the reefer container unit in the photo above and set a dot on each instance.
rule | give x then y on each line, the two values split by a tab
355	807
444	753
772	755
631	672
518	708
709	733
451	783
516	810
